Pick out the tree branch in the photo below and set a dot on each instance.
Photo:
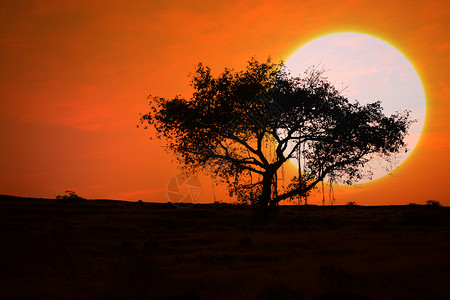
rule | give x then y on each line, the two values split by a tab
329	169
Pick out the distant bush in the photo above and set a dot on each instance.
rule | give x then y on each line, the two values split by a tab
70	195
433	203
352	203
412	203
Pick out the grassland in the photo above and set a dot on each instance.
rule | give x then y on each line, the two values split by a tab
103	249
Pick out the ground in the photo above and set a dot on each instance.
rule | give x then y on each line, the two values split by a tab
102	249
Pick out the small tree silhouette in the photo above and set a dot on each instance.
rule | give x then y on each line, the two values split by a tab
433	203
70	195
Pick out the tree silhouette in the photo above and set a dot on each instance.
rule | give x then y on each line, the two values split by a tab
241	127
70	196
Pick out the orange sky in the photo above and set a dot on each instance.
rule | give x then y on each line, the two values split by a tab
75	75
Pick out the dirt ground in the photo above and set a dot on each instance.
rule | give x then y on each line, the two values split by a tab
101	249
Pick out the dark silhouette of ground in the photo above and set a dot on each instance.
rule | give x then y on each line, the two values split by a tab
102	249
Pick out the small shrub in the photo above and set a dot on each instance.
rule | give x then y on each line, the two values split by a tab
412	203
352	203
433	203
70	195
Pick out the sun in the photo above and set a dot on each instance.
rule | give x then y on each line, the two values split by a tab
367	69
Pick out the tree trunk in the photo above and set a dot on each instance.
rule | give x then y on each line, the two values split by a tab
266	192
264	208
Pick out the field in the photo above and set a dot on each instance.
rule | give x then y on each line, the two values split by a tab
103	249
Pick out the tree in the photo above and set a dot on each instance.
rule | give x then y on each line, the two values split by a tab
70	196
241	127
433	203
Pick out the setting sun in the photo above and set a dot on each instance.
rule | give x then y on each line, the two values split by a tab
367	69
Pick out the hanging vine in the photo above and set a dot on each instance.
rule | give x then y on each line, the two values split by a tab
299	151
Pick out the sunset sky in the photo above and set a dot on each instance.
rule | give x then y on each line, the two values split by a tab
75	75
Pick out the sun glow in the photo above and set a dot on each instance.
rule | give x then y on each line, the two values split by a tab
367	69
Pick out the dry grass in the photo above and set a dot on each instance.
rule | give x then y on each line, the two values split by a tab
119	250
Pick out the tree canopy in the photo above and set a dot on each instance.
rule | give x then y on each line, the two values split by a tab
241	127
